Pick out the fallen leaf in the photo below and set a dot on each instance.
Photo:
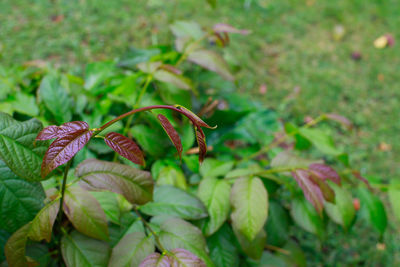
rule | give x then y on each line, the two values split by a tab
381	42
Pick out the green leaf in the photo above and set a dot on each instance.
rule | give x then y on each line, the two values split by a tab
20	200
212	3
175	202
169	77
394	199
170	175
17	149
109	203
85	213
277	226
187	29
304	215
24	104
176	233
321	141
80	250
215	168
149	139
134	184
96	73
253	248
342	212
215	195
287	159
42	225
249	200
211	61
223	252
16	246
129	223
55	98
374	209
132	250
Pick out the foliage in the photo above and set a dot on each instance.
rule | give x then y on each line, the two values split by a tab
137	199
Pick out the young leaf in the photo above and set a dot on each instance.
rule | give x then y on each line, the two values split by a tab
183	257
342	212
201	142
212	61
172	201
16	246
342	120
176	233
306	217
172	176
171	132
249	200
64	149
50	132
222	27
170	77
156	260
324	172
321	141
194	118
310	189
125	147
20	200
327	192
215	168
131	250
85	213
135	185
42	225
80	250
215	195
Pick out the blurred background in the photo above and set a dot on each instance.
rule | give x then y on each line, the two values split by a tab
314	56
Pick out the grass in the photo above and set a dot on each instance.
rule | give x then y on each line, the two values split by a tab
291	45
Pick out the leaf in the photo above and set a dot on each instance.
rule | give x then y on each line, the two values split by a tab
222	27
15	247
290	160
321	141
249	200
176	233
96	73
63	149
310	189
324	172
156	260
42	225
211	61
20	200
278	224
223	252
135	185
80	250
394	199
149	140
48	133
342	212
55	98
183	257
342	120
171	132
187	29
215	195
179	81
375	210
193	117
109	204
215	168
327	192
24	104
125	147
253	248
131	250
85	213
201	142
175	202
212	3
170	175
67	128
306	216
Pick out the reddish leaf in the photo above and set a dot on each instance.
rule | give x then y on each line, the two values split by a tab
324	172
201	141
64	149
47	133
183	257
156	260
54	131
125	147
193	117
226	28
311	191
357	174
342	120
171	132
171	68
327	192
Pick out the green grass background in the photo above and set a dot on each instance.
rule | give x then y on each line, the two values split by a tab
291	45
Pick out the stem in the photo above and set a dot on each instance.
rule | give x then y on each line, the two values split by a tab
284	138
64	182
150	229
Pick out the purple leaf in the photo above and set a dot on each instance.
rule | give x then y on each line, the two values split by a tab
327	192
194	118
358	175
342	120
47	133
226	28
311	191
324	172
171	132
54	131
64	148
201	141
156	260
182	257
125	147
